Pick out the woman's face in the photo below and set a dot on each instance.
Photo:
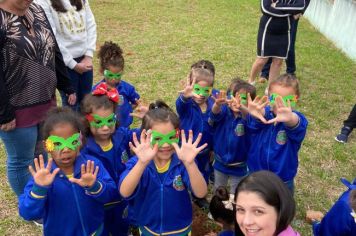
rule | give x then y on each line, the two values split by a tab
20	5
254	216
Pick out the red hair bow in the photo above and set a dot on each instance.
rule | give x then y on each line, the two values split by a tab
103	89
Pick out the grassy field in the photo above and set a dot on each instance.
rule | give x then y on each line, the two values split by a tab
163	38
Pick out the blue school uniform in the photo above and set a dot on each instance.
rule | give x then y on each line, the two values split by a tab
116	221
192	118
231	143
227	233
127	98
162	201
67	208
275	147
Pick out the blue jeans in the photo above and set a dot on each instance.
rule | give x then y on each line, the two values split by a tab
20	146
290	61
82	84
221	179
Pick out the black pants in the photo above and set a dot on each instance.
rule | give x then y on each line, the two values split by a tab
351	120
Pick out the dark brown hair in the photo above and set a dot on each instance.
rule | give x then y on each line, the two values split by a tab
217	207
58	5
204	64
287	80
110	54
237	84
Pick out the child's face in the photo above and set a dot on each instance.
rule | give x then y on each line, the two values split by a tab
243	100
254	216
113	75
199	99
281	91
166	150
65	158
103	124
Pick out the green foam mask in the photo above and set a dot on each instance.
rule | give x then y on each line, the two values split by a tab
291	98
203	91
98	121
112	76
160	139
243	98
55	143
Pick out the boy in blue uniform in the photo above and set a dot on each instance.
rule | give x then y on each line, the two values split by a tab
68	194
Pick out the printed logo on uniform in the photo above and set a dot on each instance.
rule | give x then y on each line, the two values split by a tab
210	122
281	137
124	157
240	129
178	183
121	100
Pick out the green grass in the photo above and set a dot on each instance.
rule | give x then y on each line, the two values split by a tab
165	37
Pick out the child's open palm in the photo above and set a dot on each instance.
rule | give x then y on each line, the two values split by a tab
284	112
42	175
143	149
257	107
220	99
235	103
189	88
188	150
88	175
140	110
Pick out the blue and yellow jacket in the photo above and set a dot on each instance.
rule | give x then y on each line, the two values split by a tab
163	207
231	142
340	219
275	147
66	208
128	97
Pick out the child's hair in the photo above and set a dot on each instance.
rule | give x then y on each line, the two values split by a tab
353	199
58	5
110	54
237	84
274	192
202	74
204	64
287	80
62	115
218	209
159	111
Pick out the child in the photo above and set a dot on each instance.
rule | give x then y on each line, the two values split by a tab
341	218
193	107
231	143
276	142
68	193
221	208
159	178
264	206
111	146
112	67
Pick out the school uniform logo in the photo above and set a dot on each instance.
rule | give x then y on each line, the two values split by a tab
240	130
281	137
121	100
178	183
124	157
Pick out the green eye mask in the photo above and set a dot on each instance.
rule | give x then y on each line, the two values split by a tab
203	91
160	139
112	76
291	98
55	143
98	121
243	98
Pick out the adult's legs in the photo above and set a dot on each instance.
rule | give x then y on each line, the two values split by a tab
84	86
349	125
220	178
74	81
290	61
275	68
20	148
351	120
256	68
266	68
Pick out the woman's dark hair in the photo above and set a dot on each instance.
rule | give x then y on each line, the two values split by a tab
204	64
159	111
62	115
274	192
58	5
237	84
353	199
110	54
287	80
217	207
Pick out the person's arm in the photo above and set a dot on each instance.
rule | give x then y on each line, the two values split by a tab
298	130
266	6
296	6
63	81
91	30
46	6
183	106
130	182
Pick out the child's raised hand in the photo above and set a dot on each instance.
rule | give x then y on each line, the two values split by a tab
143	149
42	175
140	110
235	103
257	107
220	99
313	216
87	176
284	112
187	92
188	150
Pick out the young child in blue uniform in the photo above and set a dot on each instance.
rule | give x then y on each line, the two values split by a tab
68	193
278	130
193	107
112	66
161	173
231	139
222	211
111	146
341	218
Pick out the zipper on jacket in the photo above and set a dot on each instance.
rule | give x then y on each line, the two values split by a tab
79	212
